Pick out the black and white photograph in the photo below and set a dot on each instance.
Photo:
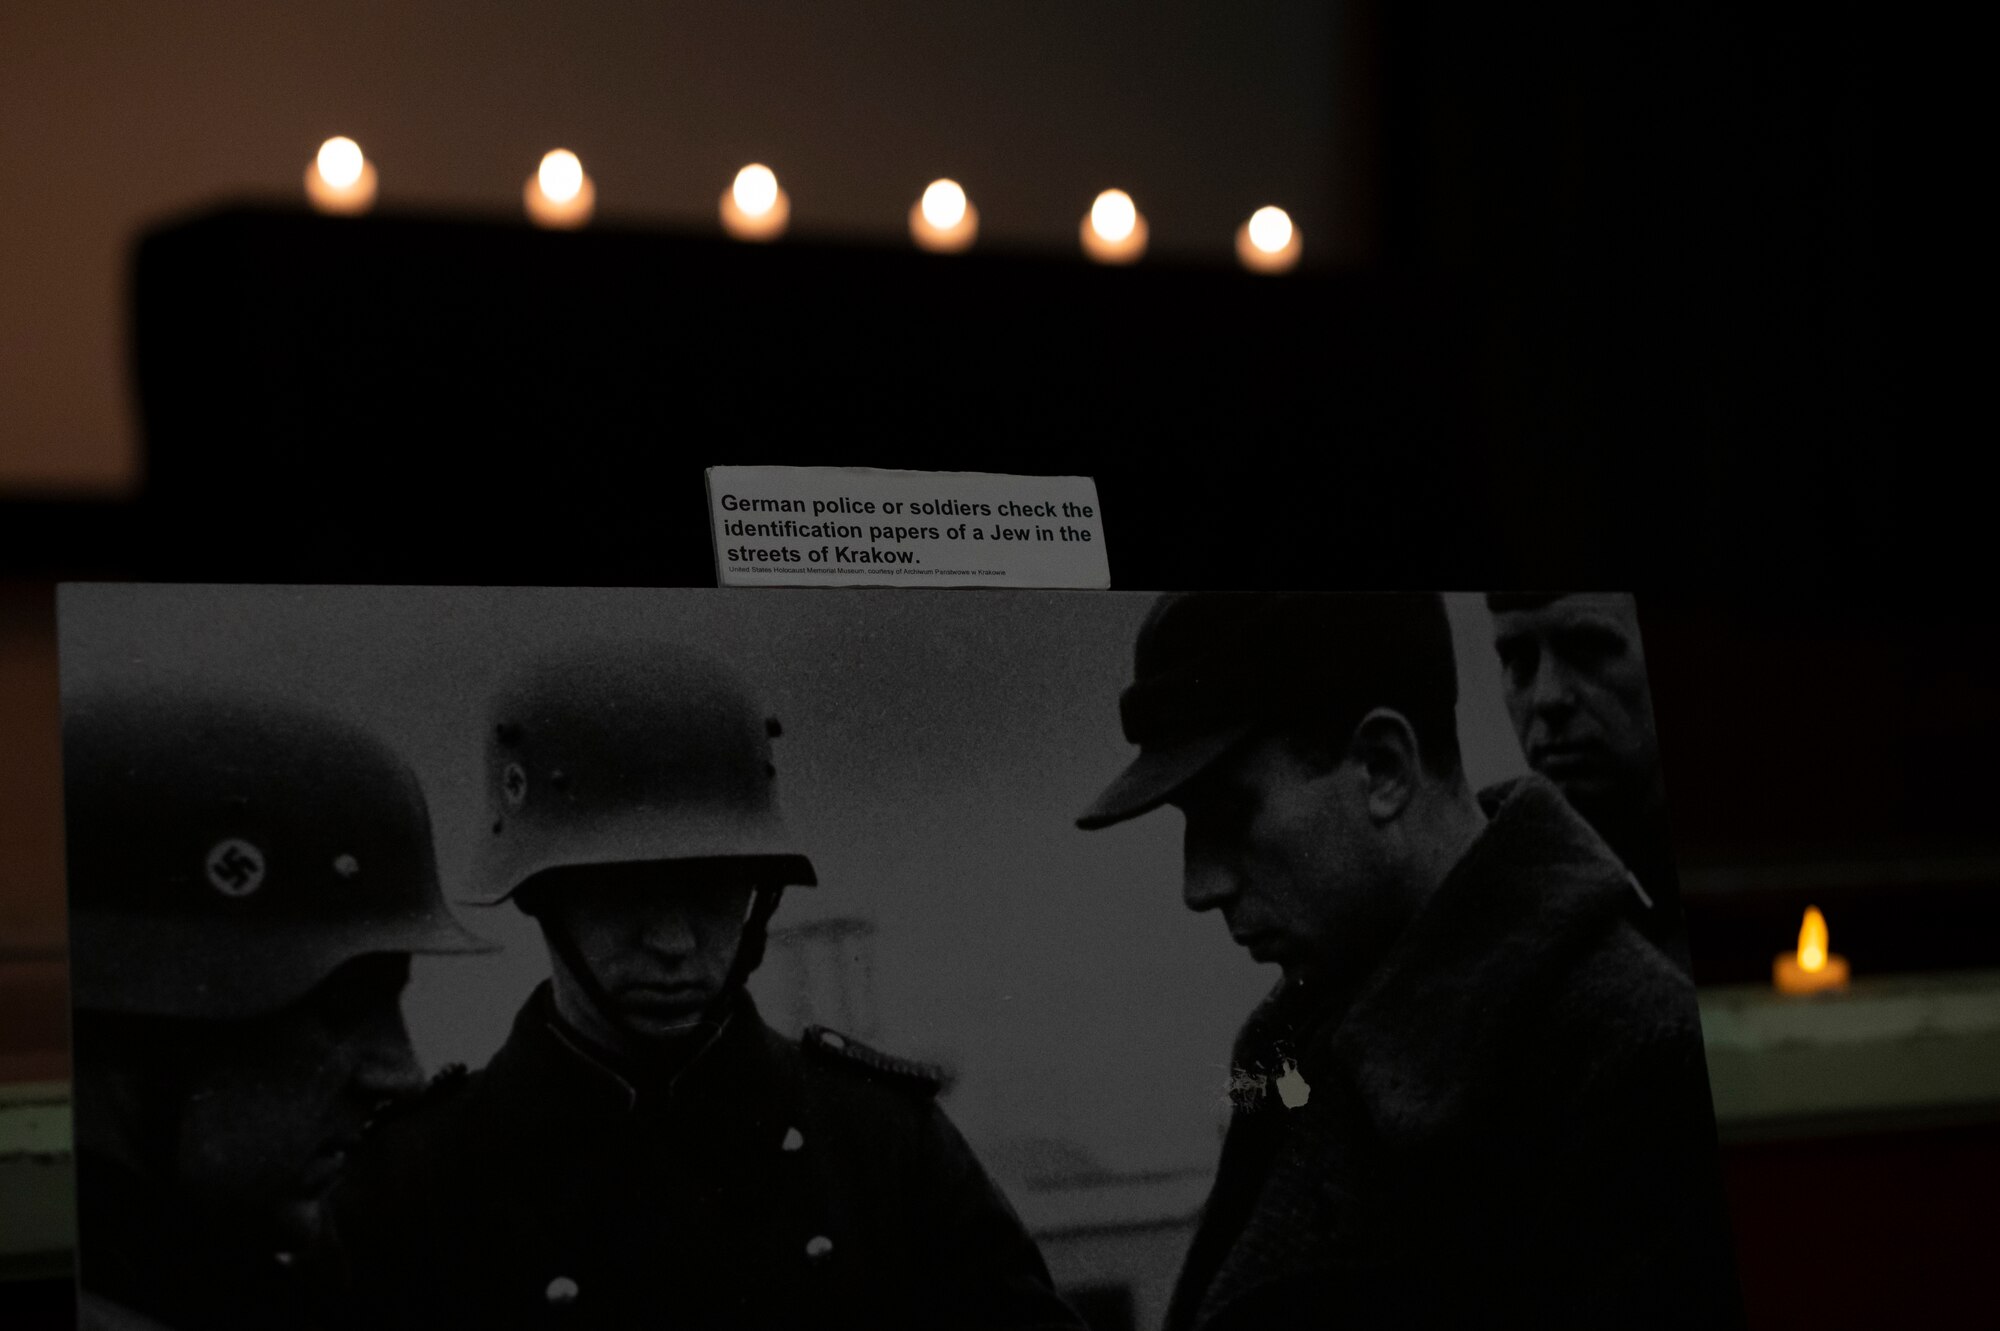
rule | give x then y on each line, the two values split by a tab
533	957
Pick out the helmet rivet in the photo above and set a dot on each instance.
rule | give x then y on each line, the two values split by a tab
346	866
514	781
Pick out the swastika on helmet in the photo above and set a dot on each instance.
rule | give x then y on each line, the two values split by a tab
235	868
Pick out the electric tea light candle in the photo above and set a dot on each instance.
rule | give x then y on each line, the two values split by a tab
1115	230
754	207
341	180
1812	968
944	221
560	194
1268	242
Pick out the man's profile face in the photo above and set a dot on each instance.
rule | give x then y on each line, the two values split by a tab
660	945
1282	845
1575	679
274	1104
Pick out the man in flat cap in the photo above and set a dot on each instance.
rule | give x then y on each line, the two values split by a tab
1466	1101
1574	670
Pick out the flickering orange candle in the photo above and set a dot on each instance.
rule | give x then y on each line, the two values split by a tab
1812	969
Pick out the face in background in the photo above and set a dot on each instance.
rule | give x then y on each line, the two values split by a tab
659	945
1574	673
1284	844
273	1105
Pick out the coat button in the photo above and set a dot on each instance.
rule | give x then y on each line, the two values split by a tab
818	1246
832	1040
794	1139
562	1290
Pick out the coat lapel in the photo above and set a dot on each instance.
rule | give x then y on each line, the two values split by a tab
1304	1193
1532	894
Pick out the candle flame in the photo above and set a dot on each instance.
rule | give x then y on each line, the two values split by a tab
560	175
1270	229
1812	941
944	204
1113	215
340	161
756	190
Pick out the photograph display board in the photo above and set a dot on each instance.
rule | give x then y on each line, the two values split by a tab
850	957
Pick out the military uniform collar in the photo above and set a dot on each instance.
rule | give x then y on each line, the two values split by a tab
573	1070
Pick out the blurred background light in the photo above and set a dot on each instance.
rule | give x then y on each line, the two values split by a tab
341	179
560	193
1268	242
1115	230
755	206
944	220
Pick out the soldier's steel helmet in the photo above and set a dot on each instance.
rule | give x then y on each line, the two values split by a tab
228	852
629	753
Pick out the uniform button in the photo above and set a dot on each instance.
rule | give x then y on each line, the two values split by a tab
818	1246
561	1290
794	1139
832	1040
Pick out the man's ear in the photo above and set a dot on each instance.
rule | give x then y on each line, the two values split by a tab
1385	745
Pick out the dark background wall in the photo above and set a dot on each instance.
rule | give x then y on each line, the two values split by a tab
114	115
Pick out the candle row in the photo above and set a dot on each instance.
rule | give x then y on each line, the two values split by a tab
560	194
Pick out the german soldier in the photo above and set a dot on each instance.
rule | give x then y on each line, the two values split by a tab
644	1151
248	880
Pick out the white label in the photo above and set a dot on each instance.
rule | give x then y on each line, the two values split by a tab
859	526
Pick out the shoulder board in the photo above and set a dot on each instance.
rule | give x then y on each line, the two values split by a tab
832	1046
449	1081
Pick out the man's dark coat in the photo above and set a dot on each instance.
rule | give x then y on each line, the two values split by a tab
1507	1126
767	1185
